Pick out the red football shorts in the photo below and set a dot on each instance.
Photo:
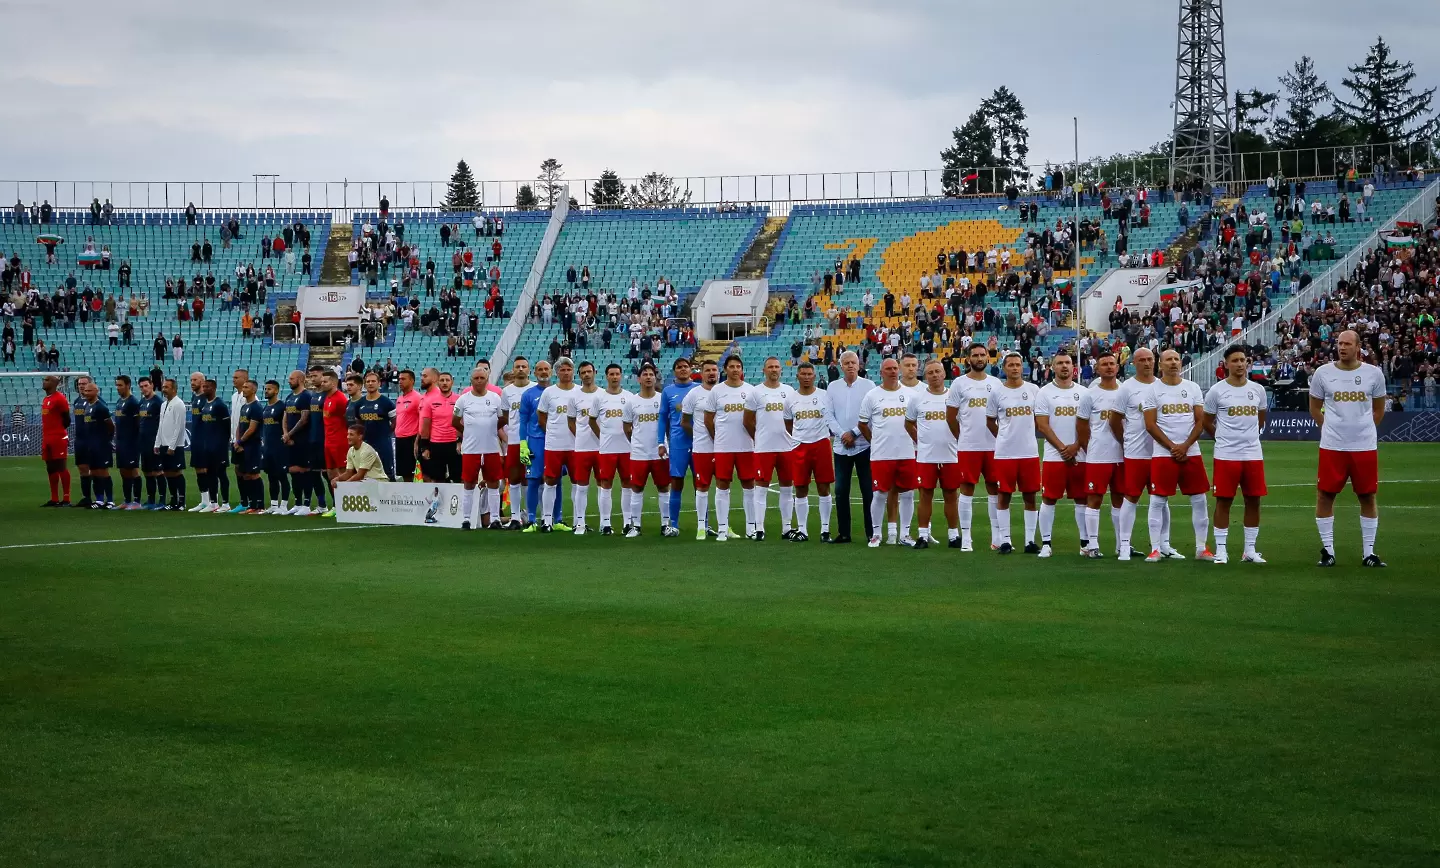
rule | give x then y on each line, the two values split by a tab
703	463
728	465
55	450
657	469
582	465
555	459
1134	477
1247	476
947	477
1100	477
335	456
1059	480
817	459
973	465
1167	474
512	459
607	464
768	464
1016	474
1361	468
490	464
893	474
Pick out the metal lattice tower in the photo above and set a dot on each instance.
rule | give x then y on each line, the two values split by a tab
1201	144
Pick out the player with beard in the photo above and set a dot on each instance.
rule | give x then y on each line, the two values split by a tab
1101	431
812	426
148	416
1057	416
965	405
702	446
1011	417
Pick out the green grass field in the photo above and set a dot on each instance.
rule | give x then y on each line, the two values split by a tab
415	697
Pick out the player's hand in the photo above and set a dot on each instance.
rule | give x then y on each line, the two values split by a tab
847	440
664	453
1178	453
525	452
1069	452
425	454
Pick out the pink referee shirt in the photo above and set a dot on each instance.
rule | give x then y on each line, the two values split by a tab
440	410
407	414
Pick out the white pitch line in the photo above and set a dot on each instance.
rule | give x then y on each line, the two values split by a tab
1382	482
91	542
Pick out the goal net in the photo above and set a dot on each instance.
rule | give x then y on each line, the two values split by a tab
20	395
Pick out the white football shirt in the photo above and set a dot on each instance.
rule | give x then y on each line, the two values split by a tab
1062	406
1237	412
768	405
481	417
1175	412
970	397
1349	423
555	403
934	443
609	411
811	419
1100	406
643	414
1014	413
884	412
512	395
728	404
1138	442
700	441
581	406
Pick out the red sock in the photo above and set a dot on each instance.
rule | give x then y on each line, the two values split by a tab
65	482
55	488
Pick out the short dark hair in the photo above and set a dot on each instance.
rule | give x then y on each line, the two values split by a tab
319	369
679	361
735	357
1106	354
586	364
354	378
123	378
803	365
518	359
407	371
709	362
648	366
1233	349
145	380
171	381
615	366
358	426
274	383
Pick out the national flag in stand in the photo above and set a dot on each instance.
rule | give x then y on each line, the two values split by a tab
1167	293
1406	225
1399	241
972	176
49	238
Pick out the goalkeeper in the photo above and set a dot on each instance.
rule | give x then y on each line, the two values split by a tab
532	447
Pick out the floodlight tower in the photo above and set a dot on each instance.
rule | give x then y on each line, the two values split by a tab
1200	146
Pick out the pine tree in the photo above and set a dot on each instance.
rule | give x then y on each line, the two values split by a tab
1306	95
525	199
1006	116
608	191
973	148
550	182
1383	106
462	194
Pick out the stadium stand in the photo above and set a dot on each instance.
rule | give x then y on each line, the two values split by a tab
74	309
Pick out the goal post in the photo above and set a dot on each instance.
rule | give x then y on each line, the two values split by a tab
20	395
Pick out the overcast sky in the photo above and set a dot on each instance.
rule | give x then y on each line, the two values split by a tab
151	89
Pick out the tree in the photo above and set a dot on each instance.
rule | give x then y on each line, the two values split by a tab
1006	117
525	199
656	190
1383	106
1306	95
608	191
973	148
550	182
462	194
1253	109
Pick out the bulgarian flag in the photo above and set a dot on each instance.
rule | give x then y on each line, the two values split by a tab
1167	292
1406	225
49	238
1399	241
1063	283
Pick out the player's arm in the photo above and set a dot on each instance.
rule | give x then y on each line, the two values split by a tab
570	419
1117	425
952	418
458	420
594	424
687	422
1082	432
1209	424
1195	428
710	422
1042	427
251	430
750	422
501	435
911	419
992	416
422	440
1152	425
862	422
1212	410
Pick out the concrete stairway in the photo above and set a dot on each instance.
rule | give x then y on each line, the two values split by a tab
335	269
753	263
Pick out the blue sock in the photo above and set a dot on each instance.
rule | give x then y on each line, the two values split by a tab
675	495
532	497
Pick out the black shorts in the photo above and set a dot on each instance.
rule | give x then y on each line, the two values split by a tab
405	458
274	462
249	459
317	455
127	458
208	460
444	463
99	457
298	454
170	462
150	462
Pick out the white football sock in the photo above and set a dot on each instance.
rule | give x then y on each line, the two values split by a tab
702	508
1326	526
877	510
1047	521
1368	528
579	502
1252	534
761	496
892	531
1116	512
1222	538
1165	525
907	511
994	513
516	492
787	507
606	506
1081	526
1126	532
827	503
547	505
467	500
801	507
1092	527
637	503
1156	520
1200	521
1032	520
664	501
722	509
966	507
1002	524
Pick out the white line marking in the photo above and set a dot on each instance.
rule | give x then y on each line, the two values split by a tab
1382	482
90	542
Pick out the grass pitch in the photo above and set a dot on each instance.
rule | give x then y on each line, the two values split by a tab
418	697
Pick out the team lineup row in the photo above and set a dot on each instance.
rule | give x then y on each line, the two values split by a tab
910	433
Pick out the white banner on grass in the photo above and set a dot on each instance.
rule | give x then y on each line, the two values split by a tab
433	504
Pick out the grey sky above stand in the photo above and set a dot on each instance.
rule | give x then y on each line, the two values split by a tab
152	90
